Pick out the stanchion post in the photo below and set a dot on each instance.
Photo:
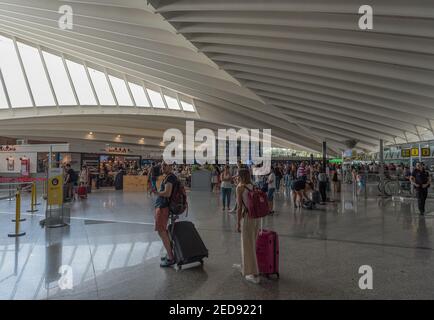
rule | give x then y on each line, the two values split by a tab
17	217
44	187
32	200
10	193
36	195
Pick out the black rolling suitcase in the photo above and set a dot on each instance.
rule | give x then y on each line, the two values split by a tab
187	244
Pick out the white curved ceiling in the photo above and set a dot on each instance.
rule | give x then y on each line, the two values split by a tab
302	68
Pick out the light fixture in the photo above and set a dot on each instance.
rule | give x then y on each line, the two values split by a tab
91	133
118	136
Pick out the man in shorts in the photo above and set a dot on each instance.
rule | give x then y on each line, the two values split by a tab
162	213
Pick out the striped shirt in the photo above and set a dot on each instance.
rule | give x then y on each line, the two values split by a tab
301	172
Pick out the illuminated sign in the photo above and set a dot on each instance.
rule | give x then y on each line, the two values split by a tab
426	152
7	148
118	150
415	152
405	153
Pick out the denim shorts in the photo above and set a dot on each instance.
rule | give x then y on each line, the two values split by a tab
270	194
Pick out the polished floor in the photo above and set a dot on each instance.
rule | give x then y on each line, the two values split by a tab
114	253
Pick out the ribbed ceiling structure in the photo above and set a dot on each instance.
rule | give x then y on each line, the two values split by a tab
300	67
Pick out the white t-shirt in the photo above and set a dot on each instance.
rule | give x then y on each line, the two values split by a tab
271	181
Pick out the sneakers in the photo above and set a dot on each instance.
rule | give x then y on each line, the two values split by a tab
166	263
253	279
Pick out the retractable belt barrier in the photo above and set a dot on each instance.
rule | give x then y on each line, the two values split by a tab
18	219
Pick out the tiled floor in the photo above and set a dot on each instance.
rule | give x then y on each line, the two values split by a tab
114	253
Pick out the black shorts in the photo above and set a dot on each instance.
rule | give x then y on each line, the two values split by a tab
299	185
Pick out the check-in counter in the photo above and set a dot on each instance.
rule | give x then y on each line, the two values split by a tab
135	183
139	183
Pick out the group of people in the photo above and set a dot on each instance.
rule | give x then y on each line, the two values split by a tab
72	180
298	179
297	176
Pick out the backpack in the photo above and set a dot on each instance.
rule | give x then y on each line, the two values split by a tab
258	203
73	176
178	199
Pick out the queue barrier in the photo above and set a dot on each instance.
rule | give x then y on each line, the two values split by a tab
33	201
18	219
27	184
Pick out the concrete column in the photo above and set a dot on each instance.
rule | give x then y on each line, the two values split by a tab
381	171
381	151
324	155
420	153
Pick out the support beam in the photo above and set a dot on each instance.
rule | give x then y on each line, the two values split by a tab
324	155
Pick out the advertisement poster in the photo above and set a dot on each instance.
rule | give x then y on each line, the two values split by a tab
25	167
11	163
55	188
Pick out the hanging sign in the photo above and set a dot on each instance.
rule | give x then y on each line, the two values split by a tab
415	152
405	153
117	150
25	167
426	152
7	148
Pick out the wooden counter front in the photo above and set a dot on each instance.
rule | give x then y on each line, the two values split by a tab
139	183
135	183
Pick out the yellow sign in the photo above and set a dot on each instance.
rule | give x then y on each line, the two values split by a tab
415	152
405	153
426	152
55	190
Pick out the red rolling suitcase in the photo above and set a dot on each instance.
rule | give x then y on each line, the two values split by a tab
82	192
267	253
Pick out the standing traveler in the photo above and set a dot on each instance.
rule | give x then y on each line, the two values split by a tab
287	181
155	173
226	187
162	213
301	172
249	228
84	176
278	173
299	192
235	176
271	181
70	181
335	181
421	180
322	185
215	176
